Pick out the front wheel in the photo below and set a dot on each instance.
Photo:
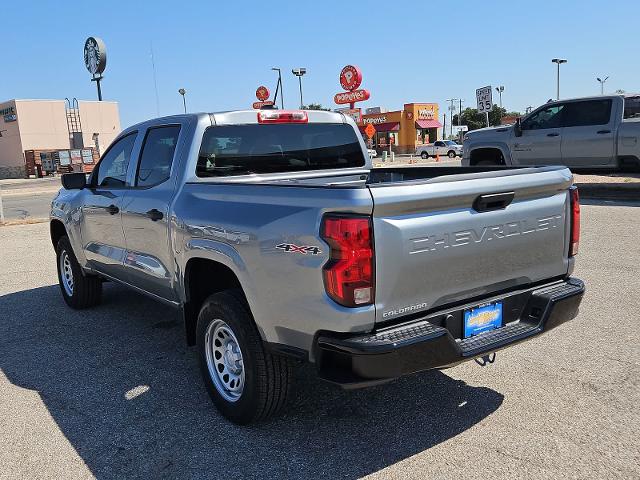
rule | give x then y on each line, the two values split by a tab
78	290
246	382
451	154
424	155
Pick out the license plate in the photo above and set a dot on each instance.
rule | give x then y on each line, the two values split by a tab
482	318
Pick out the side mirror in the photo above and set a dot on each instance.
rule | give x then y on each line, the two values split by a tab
74	181
517	128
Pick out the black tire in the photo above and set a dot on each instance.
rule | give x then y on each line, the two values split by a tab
267	377
451	154
86	289
424	155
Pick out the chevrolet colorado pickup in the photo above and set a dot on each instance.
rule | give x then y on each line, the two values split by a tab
582	133
275	240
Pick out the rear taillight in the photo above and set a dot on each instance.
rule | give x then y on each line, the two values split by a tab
575	221
282	116
348	275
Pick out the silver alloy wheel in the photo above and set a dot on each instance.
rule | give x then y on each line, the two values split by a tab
452	154
66	273
224	360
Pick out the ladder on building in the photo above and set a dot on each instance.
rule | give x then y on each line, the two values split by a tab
74	125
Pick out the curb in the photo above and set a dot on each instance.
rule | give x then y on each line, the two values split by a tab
617	191
23	221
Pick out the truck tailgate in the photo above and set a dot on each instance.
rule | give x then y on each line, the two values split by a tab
433	248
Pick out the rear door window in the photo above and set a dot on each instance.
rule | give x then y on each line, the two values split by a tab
590	112
157	155
259	148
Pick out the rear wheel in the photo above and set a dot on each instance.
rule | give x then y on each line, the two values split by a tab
451	154
245	381
78	290
424	155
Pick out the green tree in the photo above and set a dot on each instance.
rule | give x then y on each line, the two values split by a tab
474	120
315	106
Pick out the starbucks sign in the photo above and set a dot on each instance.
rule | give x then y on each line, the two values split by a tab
95	55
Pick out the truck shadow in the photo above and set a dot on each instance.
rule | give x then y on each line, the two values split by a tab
126	392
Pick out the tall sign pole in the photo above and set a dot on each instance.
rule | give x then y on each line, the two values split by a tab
95	59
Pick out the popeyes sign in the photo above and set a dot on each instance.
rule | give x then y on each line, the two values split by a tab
350	80
262	94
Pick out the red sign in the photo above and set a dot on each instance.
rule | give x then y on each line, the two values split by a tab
350	97
259	105
262	93
350	77
370	130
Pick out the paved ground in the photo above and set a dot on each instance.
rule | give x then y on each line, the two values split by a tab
28	199
114	393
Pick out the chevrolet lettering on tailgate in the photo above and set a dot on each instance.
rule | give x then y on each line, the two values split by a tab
488	233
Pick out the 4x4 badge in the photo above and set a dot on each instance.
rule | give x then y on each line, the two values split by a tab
291	248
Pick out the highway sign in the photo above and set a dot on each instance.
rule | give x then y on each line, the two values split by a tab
485	102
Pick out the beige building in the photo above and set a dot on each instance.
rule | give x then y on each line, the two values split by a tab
53	125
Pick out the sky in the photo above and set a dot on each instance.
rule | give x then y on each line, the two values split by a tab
408	51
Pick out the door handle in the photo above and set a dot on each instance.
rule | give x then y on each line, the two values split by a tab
112	209
552	134
493	201
602	132
155	214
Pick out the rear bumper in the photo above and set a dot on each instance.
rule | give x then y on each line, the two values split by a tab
427	343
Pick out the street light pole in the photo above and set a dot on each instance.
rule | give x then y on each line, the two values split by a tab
500	89
299	72
602	84
278	87
182	92
558	61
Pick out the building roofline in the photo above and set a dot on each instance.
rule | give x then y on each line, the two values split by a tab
53	100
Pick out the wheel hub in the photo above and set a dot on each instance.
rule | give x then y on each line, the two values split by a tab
66	273
224	360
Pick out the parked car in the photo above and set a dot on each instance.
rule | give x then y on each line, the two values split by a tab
595	132
441	147
278	244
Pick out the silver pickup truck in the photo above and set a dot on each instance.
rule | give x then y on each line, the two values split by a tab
447	148
590	133
275	240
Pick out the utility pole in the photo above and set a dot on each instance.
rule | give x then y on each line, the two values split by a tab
460	112
444	126
452	109
558	61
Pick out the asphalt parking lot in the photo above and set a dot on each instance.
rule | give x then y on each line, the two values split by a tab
114	392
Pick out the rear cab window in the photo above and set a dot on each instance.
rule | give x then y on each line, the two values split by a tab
258	148
586	113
